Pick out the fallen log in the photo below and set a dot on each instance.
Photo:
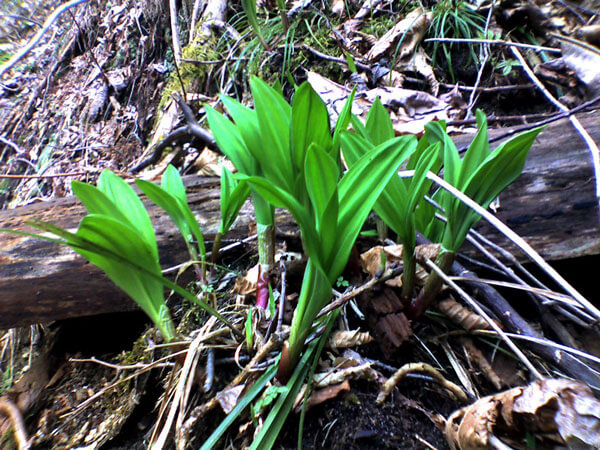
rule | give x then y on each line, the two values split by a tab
552	205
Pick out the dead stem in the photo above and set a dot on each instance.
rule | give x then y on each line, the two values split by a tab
425	368
14	415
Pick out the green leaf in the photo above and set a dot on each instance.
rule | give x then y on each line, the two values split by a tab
342	123
360	188
233	197
177	208
321	174
279	197
310	123
231	143
478	151
120	239
127	201
246	121
378	124
246	399
172	183
274	119
96	201
265	439
499	169
359	128
436	132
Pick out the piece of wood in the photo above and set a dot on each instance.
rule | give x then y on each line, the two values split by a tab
552	205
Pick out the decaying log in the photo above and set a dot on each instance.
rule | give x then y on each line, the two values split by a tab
552	205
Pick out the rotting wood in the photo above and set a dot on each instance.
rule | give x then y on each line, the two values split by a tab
552	205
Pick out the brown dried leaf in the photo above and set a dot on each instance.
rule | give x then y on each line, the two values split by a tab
411	30
348	339
554	409
322	395
209	163
247	285
229	397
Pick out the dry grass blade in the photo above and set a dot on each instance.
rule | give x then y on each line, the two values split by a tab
517	240
482	313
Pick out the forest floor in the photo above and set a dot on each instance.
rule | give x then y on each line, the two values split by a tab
95	93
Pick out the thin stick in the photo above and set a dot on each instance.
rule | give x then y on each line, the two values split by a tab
390	273
515	238
537	48
30	177
594	150
484	54
547	342
419	367
466	297
12	412
175	30
35	39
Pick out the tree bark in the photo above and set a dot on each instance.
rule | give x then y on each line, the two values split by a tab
552	205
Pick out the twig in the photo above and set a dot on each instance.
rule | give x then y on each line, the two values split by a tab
546	342
577	42
420	367
512	320
466	297
31	177
537	48
118	366
35	39
12	412
191	129
594	150
484	54
518	241
175	30
388	274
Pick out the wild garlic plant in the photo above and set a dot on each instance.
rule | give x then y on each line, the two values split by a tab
233	196
400	198
117	236
171	197
271	141
481	175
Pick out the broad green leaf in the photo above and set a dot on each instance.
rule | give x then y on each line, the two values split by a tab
274	119
178	210
96	201
321	173
310	123
360	188
233	196
172	183
247	123
127	201
436	132
121	239
478	151
342	123
500	169
419	183
230	141
279	197
359	128
378	123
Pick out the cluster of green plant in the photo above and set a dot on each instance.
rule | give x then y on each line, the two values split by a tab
288	156
117	236
454	19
